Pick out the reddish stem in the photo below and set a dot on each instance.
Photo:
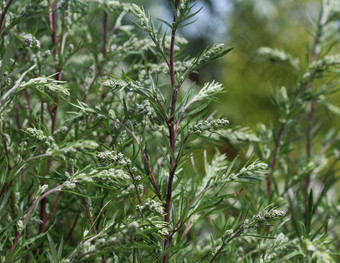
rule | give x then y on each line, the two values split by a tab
71	229
53	27
92	222
28	214
17	116
27	97
54	207
178	227
172	132
105	27
3	14
273	163
153	179
53	111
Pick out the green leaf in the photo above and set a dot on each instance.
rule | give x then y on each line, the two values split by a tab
309	214
223	53
165	22
199	108
7	55
53	250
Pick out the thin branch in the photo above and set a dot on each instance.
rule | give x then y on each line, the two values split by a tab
315	52
172	133
92	222
12	205
181	114
29	213
71	229
162	109
135	184
90	216
17	116
5	96
69	127
5	145
105	28
43	216
237	233
5	187
53	27
54	207
144	156
52	111
89	240
274	159
15	87
172	117
3	14
63	42
27	97
178	227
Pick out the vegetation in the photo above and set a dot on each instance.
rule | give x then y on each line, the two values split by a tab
106	140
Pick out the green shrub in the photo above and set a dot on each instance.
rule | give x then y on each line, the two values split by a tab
103	133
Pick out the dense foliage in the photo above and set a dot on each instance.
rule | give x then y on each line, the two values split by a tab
105	138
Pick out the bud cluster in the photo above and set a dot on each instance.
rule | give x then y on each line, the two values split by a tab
145	109
267	215
212	125
114	157
208	90
116	174
123	237
318	67
239	136
141	17
184	4
256	168
154	69
40	136
46	83
276	55
133	44
275	248
31	41
210	53
78	146
151	206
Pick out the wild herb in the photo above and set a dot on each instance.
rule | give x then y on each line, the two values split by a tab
104	139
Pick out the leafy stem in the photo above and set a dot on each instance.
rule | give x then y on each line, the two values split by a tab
158	193
274	159
171	127
29	213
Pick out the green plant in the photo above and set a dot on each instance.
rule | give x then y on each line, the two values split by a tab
99	160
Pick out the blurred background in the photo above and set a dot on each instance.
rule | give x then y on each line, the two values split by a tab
247	25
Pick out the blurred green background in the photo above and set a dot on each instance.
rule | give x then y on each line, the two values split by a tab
247	25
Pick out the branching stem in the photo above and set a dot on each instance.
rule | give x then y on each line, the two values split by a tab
171	127
29	213
144	156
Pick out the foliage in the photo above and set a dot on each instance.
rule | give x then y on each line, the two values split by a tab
102	127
